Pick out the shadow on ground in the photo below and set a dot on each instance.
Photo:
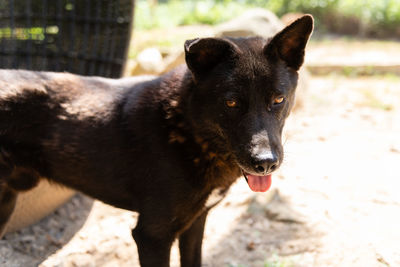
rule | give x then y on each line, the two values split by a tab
32	245
269	232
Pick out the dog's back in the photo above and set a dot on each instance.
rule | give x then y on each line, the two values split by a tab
30	101
50	122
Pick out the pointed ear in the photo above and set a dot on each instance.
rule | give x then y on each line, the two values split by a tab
289	44
205	53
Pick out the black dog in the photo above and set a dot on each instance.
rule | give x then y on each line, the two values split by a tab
161	147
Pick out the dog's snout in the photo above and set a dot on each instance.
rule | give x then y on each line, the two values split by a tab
264	164
264	159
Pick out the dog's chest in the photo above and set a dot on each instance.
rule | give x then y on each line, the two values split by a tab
215	197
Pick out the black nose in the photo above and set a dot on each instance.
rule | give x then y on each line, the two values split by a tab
266	164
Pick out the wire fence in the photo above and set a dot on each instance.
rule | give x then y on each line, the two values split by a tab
88	37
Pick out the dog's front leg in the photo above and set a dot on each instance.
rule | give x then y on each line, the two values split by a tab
154	239
190	243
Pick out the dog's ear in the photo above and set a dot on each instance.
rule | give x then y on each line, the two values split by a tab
202	54
289	44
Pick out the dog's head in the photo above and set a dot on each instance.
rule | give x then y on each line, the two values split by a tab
244	91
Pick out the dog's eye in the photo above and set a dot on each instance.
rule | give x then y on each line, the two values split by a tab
279	100
231	103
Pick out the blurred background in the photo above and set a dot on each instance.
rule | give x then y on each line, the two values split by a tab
334	201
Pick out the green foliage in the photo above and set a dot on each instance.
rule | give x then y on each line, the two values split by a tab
34	33
372	16
384	13
212	12
185	12
163	15
369	16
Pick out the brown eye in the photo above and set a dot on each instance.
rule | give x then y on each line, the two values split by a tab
231	103
278	100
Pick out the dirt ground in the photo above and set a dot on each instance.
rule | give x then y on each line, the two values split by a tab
334	202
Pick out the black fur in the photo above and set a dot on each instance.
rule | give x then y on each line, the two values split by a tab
158	147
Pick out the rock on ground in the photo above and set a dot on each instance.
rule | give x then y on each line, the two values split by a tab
254	22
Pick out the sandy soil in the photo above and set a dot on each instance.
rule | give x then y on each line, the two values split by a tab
334	202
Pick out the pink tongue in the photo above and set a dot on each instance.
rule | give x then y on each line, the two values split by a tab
259	183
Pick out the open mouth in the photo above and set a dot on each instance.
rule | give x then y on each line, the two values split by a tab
258	183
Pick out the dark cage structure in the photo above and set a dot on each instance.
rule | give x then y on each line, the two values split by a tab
87	37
